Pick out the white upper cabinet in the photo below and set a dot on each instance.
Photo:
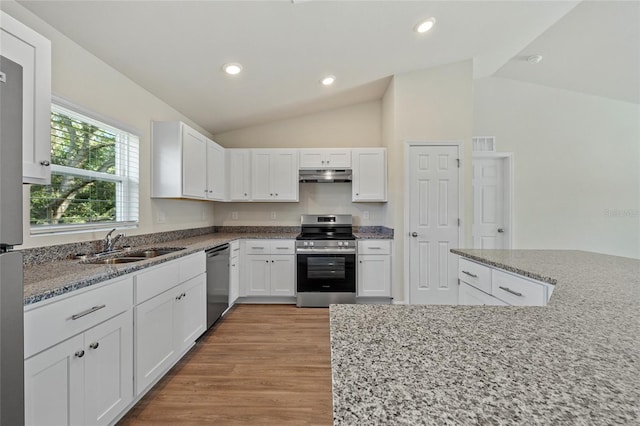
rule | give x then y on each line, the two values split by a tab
329	158
216	172
274	174
369	174
239	174
185	163
32	51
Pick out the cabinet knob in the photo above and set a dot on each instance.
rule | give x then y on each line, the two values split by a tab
245	194
500	230
267	261
80	353
45	163
94	345
276	194
271	194
414	234
357	194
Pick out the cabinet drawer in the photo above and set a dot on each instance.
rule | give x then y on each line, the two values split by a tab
57	321
374	247
517	291
192	266
469	295
474	274
257	247
282	247
156	280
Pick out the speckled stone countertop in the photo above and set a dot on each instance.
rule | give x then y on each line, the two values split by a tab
50	279
575	361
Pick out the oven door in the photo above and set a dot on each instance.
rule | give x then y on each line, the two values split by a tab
326	273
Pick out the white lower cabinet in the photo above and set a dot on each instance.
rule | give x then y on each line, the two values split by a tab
484	285
270	268
168	323
85	379
234	272
374	268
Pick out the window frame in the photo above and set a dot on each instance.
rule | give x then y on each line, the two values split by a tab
127	185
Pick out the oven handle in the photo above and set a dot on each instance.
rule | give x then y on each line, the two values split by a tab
325	251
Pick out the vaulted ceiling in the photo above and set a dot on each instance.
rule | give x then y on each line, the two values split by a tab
175	49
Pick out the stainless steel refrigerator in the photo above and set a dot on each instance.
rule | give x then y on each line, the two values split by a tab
11	286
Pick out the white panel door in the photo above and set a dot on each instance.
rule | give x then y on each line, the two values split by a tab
190	311
216	176
433	224
488	203
369	174
284	175
258	275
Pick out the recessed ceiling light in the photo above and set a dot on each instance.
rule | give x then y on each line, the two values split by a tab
424	26
232	68
534	59
328	80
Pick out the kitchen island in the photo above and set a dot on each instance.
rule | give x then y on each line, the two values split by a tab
575	361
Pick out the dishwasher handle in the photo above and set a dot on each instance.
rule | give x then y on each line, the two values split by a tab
216	251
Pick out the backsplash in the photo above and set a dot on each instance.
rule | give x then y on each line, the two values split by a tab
37	255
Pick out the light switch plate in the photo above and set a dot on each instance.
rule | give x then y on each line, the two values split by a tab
234	215
365	215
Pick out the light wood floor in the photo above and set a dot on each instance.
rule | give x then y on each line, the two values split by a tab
260	365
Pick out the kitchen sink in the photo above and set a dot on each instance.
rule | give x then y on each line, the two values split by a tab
135	256
153	252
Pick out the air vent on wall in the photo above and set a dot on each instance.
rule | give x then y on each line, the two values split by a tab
484	143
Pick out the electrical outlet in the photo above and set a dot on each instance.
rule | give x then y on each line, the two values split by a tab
273	215
365	215
161	217
234	215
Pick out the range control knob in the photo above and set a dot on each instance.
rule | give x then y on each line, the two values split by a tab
311	243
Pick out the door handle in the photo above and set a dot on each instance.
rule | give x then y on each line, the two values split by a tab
414	234
500	230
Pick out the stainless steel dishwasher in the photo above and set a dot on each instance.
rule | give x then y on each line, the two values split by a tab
217	282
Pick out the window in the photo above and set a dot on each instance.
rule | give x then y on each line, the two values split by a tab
94	177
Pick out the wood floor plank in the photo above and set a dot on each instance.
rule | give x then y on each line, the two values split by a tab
260	365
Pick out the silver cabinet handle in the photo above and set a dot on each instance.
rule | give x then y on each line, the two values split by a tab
45	163
470	274
508	290
87	312
375	248
94	345
414	234
282	248
257	248
79	354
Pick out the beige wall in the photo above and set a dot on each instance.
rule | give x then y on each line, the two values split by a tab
83	79
435	104
353	126
576	165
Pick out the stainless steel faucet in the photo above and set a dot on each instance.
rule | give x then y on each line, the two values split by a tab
110	243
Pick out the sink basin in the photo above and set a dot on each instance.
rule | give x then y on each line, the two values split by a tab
153	252
135	256
116	260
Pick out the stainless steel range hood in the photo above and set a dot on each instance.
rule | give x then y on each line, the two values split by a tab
325	176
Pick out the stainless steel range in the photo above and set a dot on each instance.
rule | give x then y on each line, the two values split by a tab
326	260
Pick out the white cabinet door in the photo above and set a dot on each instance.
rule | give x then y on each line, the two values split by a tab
33	52
239	174
258	275
369	174
261	175
154	343
325	158
191	311
216	176
234	279
469	295
374	275
108	380
53	385
338	158
194	163
274	175
284	175
282	275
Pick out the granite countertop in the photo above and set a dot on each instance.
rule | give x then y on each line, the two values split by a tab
46	280
575	361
